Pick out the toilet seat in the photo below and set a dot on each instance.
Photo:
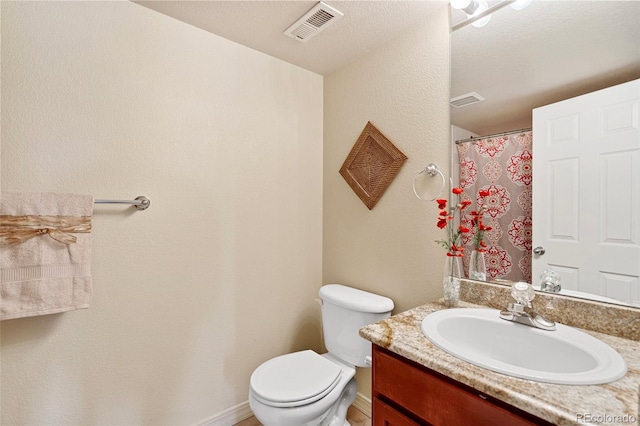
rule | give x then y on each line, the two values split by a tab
294	379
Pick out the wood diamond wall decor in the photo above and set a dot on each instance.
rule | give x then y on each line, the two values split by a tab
371	165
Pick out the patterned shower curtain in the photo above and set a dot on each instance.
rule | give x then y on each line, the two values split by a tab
502	166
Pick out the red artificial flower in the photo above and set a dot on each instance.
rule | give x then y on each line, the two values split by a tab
464	204
476	220
445	221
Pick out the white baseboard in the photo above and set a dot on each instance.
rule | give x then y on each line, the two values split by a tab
363	404
242	411
230	416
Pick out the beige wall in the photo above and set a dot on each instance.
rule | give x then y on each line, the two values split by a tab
0	194
115	100
403	89
219	274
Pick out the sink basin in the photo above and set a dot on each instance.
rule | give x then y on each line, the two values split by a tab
565	356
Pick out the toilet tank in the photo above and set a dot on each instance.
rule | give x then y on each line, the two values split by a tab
345	311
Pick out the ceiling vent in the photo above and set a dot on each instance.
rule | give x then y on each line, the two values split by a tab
315	20
466	100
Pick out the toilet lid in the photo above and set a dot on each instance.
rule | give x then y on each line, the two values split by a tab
292	379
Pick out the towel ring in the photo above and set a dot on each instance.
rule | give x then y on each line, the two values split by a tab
431	170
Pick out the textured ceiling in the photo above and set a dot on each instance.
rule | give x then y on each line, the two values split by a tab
259	25
547	52
550	51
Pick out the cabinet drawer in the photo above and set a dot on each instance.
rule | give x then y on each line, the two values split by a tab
386	415
435	399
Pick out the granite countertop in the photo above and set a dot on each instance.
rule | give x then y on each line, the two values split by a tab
559	404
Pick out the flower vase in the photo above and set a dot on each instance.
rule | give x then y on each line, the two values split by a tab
451	281
477	267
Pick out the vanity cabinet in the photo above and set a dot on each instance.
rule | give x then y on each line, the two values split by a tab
406	394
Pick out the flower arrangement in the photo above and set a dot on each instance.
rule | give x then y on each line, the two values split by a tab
446	222
476	220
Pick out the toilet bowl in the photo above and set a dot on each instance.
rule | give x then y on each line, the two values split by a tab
302	389
308	389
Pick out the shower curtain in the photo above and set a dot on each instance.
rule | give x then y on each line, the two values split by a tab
502	166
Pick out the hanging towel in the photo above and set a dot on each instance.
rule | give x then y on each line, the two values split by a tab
45	253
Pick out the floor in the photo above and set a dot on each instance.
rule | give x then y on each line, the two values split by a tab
355	417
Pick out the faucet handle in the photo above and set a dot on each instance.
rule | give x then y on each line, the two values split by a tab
550	275
550	281
523	293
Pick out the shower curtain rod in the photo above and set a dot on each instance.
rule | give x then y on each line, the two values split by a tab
491	136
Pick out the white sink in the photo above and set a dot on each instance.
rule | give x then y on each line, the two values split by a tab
565	356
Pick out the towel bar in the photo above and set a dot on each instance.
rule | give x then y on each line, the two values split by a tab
141	202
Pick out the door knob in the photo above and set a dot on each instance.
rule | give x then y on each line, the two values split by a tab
539	250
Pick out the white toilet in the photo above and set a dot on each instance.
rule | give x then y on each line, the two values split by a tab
308	389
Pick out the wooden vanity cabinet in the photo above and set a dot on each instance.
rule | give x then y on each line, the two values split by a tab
406	394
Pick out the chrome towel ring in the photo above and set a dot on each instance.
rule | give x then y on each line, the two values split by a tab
432	170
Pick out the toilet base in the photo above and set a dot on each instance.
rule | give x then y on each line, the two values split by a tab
339	416
307	415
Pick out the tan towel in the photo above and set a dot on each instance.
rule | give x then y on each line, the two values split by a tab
45	272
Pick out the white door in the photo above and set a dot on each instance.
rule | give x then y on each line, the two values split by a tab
586	192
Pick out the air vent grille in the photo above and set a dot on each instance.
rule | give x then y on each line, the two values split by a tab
466	100
319	18
303	31
311	23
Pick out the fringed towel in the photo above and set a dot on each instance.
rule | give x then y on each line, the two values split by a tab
45	253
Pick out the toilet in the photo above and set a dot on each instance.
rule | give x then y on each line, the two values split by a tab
308	389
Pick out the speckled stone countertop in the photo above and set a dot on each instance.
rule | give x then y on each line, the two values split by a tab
559	404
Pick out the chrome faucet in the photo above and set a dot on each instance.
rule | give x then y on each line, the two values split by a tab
550	281
523	294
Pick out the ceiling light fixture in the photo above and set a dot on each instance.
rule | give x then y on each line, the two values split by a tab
460	4
478	13
482	7
473	8
520	4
